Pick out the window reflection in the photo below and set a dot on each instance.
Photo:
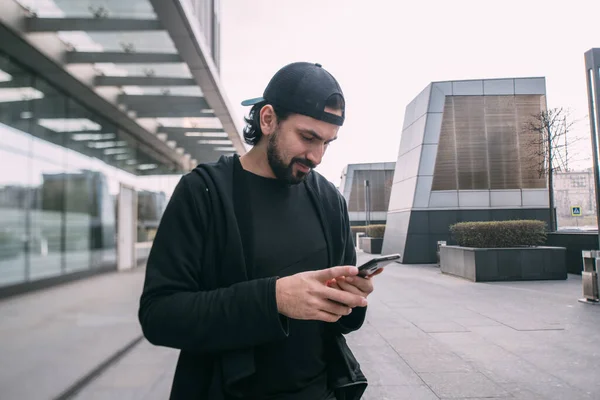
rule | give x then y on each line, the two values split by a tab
62	167
46	217
13	200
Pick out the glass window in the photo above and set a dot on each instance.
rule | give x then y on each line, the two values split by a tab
58	193
81	195
13	215
16	96
46	216
46	220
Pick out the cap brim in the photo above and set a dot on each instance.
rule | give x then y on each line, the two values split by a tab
251	102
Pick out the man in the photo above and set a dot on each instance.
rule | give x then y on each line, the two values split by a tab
251	272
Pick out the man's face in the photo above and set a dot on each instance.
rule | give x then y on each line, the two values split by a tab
298	145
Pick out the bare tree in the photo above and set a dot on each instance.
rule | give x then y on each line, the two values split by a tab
548	143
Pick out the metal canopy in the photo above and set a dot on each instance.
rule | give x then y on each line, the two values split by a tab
176	130
142	64
142	81
166	106
115	57
35	24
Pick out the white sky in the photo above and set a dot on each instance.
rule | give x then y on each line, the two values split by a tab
384	52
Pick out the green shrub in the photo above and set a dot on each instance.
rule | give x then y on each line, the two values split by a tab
358	229
375	231
499	233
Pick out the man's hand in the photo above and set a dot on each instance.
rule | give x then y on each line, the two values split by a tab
355	284
306	295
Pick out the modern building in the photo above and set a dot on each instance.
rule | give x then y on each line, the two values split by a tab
367	189
465	155
95	95
575	189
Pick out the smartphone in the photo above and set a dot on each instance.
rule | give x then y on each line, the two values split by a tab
371	266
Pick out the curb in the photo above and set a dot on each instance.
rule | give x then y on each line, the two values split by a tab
78	386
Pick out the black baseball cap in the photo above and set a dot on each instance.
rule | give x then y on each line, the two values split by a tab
302	88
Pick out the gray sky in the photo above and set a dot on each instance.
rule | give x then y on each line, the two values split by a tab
384	52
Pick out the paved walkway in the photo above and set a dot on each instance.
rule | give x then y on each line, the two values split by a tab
52	338
428	336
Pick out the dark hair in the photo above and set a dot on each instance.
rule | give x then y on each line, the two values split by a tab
252	131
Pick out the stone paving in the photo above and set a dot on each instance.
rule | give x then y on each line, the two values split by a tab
427	336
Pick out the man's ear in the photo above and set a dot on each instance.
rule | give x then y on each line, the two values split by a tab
268	120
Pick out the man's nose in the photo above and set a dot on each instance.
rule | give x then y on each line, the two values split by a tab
315	156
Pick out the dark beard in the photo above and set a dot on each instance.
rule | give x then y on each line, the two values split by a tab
283	171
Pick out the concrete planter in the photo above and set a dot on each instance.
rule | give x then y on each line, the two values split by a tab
504	264
371	245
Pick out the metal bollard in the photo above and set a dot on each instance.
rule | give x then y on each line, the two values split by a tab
589	276
440	243
358	236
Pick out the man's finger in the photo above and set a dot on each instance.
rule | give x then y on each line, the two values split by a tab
327	317
334	308
331	273
349	299
350	288
334	284
363	284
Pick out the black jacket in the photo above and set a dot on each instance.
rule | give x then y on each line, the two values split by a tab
199	295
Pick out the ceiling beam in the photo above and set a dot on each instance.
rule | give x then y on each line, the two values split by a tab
116	57
36	24
159	100
167	112
48	107
19	81
102	80
183	26
181	131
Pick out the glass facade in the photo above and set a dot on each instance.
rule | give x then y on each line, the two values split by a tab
208	13
380	183
61	170
151	206
482	131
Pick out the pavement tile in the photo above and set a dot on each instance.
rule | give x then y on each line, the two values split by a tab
545	391
417	345
441	327
374	354
412	392
456	385
388	373
516	370
366	336
437	362
471	322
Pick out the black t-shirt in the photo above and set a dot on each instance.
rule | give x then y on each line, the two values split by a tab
288	238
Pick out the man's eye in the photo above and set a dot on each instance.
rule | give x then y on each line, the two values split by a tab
307	139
